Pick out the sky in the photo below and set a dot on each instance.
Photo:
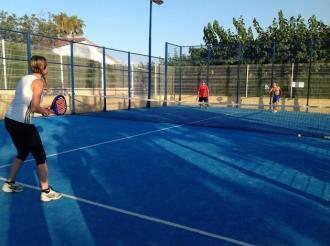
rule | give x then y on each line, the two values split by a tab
124	25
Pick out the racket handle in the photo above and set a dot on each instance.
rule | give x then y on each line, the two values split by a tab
48	112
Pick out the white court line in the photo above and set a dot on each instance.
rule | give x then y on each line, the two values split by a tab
145	217
7	165
118	139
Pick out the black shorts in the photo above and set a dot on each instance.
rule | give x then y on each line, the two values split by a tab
203	99
26	139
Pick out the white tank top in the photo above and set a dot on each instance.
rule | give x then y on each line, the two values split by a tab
20	108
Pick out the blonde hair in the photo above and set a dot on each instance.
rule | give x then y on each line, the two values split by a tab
38	64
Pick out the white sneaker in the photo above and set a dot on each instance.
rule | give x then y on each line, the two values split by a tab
50	195
12	187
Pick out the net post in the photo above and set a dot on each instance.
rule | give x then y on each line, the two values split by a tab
104	80
28	51
73	110
129	78
165	75
311	44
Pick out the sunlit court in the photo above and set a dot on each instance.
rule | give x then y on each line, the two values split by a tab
223	143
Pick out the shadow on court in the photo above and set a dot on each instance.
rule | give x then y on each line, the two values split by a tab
264	189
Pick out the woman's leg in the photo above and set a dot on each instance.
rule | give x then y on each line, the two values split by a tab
14	169
9	185
39	155
18	134
42	170
38	152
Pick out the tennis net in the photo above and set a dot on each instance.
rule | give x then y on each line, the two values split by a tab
290	119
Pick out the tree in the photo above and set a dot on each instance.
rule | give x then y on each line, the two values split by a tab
291	35
28	23
47	27
7	21
68	25
76	26
62	24
222	43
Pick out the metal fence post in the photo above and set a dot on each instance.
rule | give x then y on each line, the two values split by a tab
208	65
311	44
239	60
272	75
165	75
273	60
247	80
180	75
129	79
104	81
28	51
4	65
73	109
291	81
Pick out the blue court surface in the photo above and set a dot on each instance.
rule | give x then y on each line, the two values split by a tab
143	183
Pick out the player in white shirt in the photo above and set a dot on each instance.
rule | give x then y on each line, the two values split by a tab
25	136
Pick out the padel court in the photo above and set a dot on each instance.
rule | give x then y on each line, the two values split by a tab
143	182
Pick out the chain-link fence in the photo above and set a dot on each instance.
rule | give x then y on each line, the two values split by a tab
93	78
241	75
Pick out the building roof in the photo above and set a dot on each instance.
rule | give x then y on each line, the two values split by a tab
83	48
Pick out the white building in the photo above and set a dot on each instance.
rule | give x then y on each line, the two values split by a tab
83	48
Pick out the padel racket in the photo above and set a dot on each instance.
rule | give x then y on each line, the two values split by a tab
267	87
59	105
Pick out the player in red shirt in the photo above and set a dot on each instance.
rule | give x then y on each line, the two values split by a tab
203	94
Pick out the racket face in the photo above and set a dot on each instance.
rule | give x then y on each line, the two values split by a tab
267	88
59	105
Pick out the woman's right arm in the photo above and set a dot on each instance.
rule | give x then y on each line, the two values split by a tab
37	88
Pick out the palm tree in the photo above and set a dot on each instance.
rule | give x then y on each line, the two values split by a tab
62	23
68	25
76	26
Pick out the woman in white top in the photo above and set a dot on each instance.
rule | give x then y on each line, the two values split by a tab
25	136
